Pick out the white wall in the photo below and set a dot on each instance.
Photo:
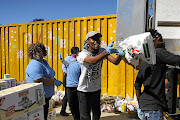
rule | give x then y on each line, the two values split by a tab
169	10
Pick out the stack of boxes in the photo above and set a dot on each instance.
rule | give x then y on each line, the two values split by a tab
7	83
23	102
51	111
3	85
11	82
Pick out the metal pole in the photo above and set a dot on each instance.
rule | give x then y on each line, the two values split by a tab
154	14
147	15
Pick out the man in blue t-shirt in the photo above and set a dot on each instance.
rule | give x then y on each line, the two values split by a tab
73	74
71	69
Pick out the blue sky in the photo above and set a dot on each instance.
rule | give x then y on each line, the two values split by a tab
22	11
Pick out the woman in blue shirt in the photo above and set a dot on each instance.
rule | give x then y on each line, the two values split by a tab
38	70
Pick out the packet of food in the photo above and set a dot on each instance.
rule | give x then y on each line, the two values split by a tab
139	47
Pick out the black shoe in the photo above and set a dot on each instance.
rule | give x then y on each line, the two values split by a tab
63	113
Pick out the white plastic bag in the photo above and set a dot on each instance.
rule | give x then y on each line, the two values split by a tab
139	46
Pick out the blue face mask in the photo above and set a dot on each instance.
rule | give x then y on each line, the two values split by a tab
39	58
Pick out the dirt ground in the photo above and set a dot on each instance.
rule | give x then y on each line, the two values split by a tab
104	116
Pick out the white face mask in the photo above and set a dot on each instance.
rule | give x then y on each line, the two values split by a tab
39	58
97	45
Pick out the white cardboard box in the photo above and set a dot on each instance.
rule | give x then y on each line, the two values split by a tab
21	117
18	100
35	114
3	85
52	115
11	82
51	111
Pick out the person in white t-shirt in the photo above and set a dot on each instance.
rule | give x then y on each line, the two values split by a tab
89	87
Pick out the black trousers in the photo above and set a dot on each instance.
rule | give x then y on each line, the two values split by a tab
89	101
73	101
46	107
64	101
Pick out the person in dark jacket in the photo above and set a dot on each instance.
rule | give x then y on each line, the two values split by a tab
152	101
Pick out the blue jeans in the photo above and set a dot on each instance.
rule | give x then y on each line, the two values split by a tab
153	115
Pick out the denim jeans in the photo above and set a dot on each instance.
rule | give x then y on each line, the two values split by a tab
89	101
153	115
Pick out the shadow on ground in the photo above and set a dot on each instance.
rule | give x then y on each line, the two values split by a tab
104	115
121	116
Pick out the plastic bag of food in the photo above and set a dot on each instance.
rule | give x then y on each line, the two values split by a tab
139	47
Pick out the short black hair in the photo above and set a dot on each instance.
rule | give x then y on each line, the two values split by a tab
74	50
155	33
96	36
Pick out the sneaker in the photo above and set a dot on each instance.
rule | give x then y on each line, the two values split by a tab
64	113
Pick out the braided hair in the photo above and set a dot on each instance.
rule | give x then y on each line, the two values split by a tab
155	34
35	48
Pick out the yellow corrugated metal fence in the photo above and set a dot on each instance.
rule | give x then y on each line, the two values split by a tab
62	35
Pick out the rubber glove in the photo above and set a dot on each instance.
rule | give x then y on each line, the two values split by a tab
85	44
140	113
110	49
120	52
59	55
57	82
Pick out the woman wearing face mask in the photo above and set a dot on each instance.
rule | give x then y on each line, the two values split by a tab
38	70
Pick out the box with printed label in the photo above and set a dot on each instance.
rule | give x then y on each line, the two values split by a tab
52	114
3	85
21	117
35	114
11	82
51	111
18	100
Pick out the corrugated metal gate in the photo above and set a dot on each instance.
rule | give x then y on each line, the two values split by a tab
62	35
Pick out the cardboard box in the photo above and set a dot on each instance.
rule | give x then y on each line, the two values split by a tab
50	105
20	82
35	114
18	100
11	82
3	85
21	117
52	115
51	110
